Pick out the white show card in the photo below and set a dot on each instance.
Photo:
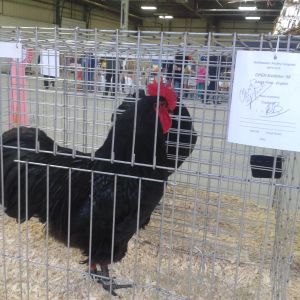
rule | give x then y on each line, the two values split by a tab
10	50
265	106
49	61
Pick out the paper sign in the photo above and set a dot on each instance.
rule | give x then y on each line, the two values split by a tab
265	106
49	61
10	50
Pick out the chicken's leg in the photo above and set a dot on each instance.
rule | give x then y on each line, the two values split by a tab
103	278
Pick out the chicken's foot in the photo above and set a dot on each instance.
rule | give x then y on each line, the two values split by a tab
104	279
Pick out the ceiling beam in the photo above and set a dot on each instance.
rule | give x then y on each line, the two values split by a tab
237	12
108	8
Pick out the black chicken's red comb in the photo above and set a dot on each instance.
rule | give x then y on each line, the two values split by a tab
164	91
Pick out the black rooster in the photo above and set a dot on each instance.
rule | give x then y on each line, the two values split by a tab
76	196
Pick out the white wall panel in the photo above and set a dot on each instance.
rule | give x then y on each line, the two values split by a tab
72	23
28	10
14	21
246	27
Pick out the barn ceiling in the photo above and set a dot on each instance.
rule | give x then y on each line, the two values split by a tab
223	9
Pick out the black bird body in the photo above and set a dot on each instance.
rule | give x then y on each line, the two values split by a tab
116	193
126	192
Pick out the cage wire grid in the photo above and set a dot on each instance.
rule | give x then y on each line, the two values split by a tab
217	233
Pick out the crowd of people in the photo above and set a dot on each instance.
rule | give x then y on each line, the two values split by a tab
191	78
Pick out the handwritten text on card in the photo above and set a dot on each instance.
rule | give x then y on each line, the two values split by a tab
265	105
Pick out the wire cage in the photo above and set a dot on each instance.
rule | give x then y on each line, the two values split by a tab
225	227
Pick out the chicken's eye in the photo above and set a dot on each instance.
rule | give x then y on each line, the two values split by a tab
164	104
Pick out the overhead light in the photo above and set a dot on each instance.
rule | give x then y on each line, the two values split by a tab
247	8
166	17
252	18
148	7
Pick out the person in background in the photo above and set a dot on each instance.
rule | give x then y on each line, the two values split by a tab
179	66
212	73
177	70
110	76
169	73
77	70
186	79
102	74
200	80
88	64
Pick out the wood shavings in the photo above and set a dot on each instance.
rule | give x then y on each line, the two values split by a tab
176	260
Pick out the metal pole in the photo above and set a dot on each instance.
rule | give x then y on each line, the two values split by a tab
57	17
124	14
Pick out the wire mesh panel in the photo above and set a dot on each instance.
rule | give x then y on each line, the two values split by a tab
91	174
